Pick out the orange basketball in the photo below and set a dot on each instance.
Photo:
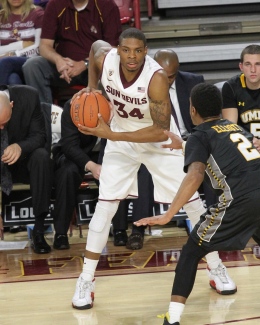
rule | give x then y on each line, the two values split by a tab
84	109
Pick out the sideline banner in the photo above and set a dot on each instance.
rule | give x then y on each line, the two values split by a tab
17	208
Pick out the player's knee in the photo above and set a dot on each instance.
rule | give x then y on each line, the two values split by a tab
103	215
98	223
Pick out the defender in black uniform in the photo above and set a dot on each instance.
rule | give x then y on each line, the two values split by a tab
223	152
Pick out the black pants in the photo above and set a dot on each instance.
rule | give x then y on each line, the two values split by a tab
67	180
36	170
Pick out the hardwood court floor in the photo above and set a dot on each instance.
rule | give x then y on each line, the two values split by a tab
132	288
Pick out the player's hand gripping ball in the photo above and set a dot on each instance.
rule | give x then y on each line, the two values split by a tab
84	109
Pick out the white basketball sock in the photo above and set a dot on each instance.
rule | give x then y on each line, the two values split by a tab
88	269
175	311
213	260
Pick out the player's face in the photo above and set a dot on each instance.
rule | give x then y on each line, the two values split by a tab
132	53
251	69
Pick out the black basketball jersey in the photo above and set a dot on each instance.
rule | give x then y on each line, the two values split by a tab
236	94
232	162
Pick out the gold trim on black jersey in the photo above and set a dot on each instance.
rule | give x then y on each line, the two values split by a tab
243	80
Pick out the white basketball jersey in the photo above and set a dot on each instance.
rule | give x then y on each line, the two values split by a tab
131	104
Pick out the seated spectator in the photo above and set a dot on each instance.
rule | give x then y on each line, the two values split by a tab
68	31
20	30
24	158
74	155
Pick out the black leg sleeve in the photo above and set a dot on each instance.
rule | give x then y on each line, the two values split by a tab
186	269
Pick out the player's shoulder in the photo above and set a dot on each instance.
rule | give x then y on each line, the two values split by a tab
151	64
159	77
101	50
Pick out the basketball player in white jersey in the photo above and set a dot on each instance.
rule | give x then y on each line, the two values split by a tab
139	93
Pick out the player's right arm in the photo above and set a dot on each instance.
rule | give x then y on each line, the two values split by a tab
97	54
229	111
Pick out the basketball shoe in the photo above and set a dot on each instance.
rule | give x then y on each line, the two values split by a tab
84	294
221	281
166	321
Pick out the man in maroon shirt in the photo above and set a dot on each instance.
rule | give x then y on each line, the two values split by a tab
69	29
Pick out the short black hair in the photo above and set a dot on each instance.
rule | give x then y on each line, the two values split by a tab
250	49
133	33
207	100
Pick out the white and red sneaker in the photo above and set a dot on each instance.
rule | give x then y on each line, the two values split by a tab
84	294
221	281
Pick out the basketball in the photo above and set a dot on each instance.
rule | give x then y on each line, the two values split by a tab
84	109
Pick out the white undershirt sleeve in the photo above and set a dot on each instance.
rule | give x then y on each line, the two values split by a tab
32	50
11	47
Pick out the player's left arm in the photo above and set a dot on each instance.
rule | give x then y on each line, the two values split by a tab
160	107
188	187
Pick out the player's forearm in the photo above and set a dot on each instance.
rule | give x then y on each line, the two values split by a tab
94	70
189	186
149	134
93	77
